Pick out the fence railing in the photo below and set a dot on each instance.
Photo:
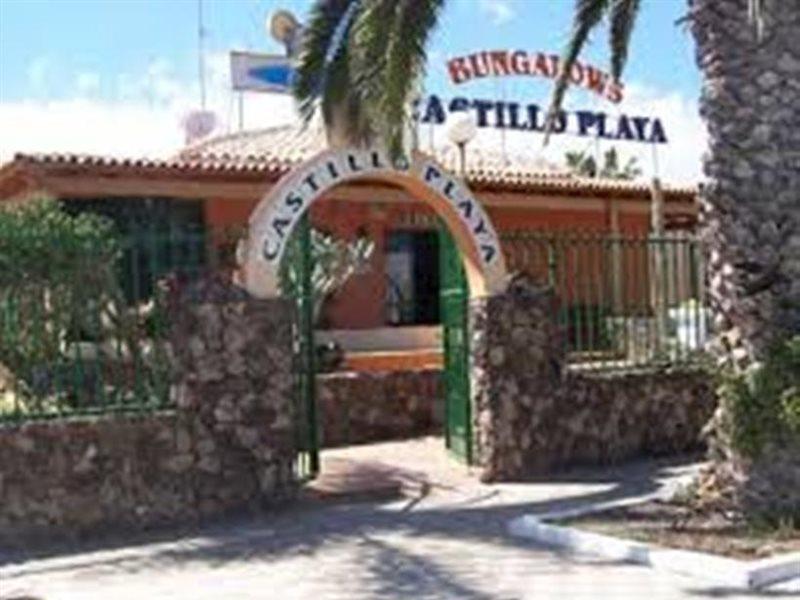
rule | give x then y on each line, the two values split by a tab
87	331
622	300
91	334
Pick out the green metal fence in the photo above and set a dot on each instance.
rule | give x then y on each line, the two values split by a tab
96	340
622	301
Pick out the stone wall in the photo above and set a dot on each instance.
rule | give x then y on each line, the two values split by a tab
227	444
79	473
360	407
236	388
532	415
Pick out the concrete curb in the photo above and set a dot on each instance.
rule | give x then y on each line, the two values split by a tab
721	570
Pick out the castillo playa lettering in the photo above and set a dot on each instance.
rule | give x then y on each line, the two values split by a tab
307	186
502	63
468	209
531	117
311	183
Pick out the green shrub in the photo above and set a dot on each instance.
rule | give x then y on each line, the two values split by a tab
59	286
41	244
764	402
54	268
333	262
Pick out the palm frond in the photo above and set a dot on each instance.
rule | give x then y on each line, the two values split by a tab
317	35
367	50
588	14
414	22
323	75
623	20
360	63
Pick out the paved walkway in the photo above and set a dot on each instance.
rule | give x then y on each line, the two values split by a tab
448	542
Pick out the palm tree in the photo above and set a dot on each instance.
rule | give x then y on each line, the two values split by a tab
584	164
362	60
360	63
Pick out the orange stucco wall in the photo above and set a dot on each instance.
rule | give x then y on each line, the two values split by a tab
516	219
222	213
360	303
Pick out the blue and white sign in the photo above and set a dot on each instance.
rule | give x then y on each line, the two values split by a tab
261	72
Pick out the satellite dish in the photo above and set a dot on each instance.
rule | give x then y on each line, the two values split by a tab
284	27
198	124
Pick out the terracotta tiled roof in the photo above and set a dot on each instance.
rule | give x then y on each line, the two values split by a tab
290	145
287	144
272	152
207	164
294	144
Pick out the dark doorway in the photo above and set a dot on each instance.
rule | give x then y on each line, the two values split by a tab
413	277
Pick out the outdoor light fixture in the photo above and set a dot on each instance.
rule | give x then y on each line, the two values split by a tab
463	130
461	133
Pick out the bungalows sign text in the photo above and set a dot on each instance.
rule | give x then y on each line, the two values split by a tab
504	63
311	183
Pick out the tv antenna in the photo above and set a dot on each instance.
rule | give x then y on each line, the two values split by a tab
201	63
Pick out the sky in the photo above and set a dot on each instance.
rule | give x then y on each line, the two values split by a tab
118	77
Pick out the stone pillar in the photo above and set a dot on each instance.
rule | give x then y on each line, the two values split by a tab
234	394
517	360
533	415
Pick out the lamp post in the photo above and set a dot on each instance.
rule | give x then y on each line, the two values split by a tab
461	133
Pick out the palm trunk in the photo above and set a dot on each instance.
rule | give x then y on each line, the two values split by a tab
751	202
751	208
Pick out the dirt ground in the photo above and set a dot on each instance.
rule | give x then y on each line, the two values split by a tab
406	467
677	526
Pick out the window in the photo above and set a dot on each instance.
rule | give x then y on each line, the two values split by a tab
161	235
412	278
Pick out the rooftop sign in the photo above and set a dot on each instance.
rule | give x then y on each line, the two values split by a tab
531	117
252	72
502	63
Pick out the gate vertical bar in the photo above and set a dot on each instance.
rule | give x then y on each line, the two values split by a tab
307	345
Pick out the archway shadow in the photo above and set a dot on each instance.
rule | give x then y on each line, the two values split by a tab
303	527
313	527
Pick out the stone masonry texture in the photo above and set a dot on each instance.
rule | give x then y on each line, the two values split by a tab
361	407
531	415
227	443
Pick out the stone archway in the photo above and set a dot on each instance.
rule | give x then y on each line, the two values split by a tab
274	220
279	212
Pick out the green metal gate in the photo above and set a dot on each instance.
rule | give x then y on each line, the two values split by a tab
453	301
453	297
299	255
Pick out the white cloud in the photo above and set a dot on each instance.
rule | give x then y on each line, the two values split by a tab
86	126
141	116
499	11
680	159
